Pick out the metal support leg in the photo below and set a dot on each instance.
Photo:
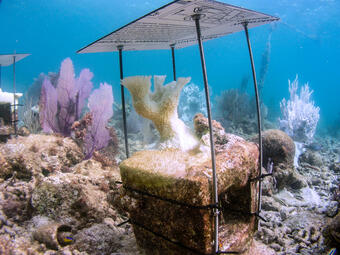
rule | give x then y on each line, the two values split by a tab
196	18
120	49
14	103
258	117
173	60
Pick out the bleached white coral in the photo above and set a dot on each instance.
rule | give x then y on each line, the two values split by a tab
299	115
160	107
8	98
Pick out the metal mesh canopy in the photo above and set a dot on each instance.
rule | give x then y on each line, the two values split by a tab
172	24
7	59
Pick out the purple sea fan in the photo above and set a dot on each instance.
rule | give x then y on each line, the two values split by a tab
67	99
100	104
48	107
84	87
66	91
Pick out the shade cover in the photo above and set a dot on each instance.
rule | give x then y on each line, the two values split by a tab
7	59
172	24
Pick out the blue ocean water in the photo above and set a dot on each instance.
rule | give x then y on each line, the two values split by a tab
305	41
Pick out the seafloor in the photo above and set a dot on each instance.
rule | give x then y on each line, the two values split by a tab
47	190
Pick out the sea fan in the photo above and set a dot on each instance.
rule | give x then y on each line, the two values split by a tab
100	104
60	107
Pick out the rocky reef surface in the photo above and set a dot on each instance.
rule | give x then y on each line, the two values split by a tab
53	202
301	204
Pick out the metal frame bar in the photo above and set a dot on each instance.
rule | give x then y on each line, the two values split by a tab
14	104
120	49
196	18
258	117
173	60
267	18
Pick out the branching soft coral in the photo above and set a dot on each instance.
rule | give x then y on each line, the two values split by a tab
100	104
299	115
61	106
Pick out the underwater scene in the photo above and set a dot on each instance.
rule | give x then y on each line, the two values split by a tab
205	127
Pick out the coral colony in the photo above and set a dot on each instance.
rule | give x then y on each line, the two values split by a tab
98	135
160	106
61	106
299	115
7	97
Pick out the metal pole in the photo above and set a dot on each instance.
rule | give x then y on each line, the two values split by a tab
258	117
120	49
173	60
14	104
196	17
